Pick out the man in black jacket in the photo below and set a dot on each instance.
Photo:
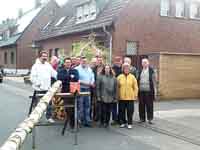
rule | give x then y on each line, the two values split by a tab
147	91
67	75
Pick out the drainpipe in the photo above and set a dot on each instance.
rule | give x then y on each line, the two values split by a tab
16	60
110	43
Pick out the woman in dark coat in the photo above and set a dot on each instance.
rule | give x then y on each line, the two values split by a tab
106	92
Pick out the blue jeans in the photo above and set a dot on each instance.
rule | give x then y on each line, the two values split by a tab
84	106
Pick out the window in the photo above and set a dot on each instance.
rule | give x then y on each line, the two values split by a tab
86	12
131	48
47	25
59	52
5	58
56	52
79	13
50	53
180	9
8	34
93	10
194	11
12	57
1	37
60	21
164	8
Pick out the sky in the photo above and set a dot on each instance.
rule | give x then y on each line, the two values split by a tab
9	8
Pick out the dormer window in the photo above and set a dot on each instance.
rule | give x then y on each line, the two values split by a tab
164	8
47	25
6	35
194	10
79	14
60	21
86	12
180	9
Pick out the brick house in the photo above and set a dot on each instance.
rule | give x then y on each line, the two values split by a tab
126	27
17	53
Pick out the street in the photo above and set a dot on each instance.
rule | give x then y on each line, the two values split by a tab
176	126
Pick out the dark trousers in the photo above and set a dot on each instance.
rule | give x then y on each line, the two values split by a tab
114	112
35	101
93	104
145	105
98	112
126	106
69	110
106	112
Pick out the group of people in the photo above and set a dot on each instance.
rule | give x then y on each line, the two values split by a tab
113	88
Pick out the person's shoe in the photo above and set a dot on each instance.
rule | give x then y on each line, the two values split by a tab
150	122
88	125
106	125
141	121
50	120
129	126
113	123
122	126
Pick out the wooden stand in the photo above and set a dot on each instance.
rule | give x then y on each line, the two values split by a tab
63	95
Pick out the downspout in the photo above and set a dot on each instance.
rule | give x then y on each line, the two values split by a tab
110	43
16	53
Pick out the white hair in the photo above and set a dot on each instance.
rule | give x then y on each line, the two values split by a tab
145	60
127	60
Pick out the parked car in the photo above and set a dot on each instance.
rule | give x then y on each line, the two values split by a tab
27	78
1	77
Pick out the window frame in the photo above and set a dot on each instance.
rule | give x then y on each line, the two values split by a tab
162	8
183	9
137	47
197	15
60	21
12	58
88	13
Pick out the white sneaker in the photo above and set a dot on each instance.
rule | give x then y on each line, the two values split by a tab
129	126
122	126
50	120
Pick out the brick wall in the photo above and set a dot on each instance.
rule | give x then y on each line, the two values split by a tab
26	54
141	21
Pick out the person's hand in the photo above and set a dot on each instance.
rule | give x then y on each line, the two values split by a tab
156	95
92	85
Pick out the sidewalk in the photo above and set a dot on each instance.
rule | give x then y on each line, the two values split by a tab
15	79
177	119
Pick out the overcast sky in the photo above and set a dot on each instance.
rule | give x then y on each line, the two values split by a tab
9	8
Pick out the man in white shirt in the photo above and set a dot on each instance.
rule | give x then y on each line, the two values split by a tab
41	74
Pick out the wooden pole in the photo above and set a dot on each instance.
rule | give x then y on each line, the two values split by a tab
16	139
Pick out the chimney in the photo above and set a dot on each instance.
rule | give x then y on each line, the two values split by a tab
38	3
20	13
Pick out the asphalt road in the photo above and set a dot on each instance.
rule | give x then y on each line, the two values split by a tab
14	108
